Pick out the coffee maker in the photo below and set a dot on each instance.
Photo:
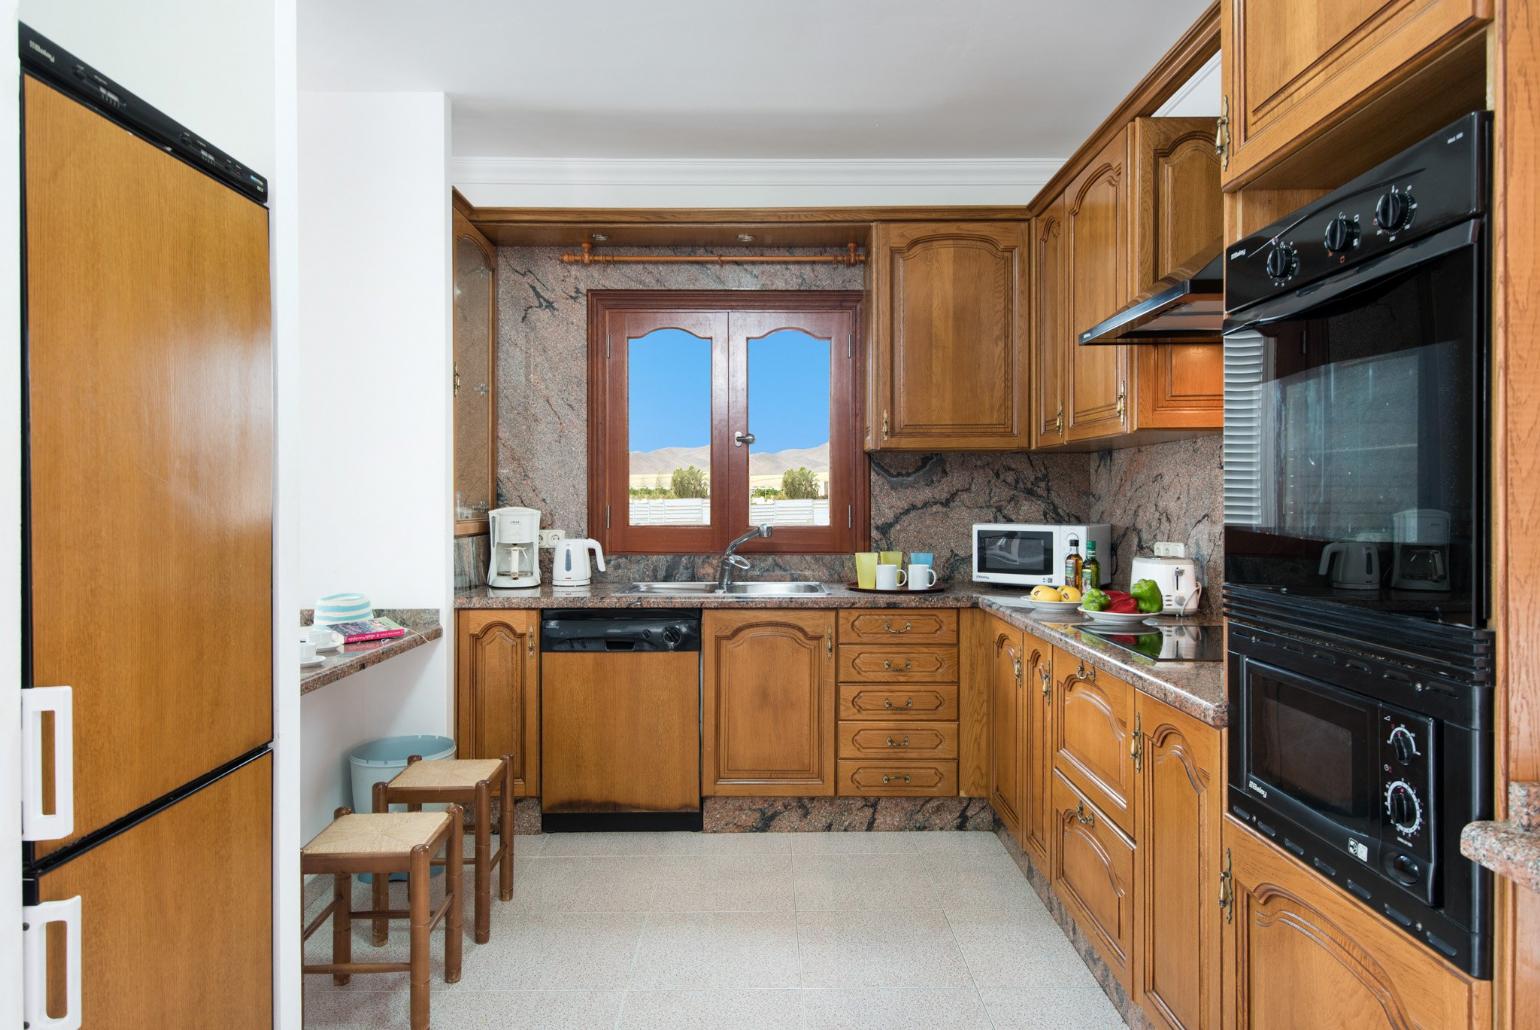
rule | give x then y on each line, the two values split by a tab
515	536
1420	551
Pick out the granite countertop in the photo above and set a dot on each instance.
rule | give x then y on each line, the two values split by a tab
422	625
1511	848
1196	688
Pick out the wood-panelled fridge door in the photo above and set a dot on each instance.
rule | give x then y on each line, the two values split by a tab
176	913
150	437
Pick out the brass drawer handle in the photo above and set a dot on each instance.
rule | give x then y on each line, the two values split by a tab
1084	673
887	625
1047	678
1083	817
888	703
898	743
887	664
887	778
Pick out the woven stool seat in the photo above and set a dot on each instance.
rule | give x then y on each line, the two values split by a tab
384	833
448	773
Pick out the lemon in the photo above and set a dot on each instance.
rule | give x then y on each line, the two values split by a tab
1045	593
1069	593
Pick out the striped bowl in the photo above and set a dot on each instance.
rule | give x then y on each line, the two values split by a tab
335	608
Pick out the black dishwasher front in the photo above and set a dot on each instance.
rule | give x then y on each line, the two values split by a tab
620	719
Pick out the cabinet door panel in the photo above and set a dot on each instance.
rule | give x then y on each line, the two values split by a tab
898	740
1300	952
1094	874
878	701
1037	793
497	702
1050	327
1179	217
768	703
870	778
1096	218
1093	723
861	663
1177	919
898	626
1005	726
950	325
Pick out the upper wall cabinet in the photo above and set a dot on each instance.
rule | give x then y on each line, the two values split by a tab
475	362
1147	206
948	366
1293	70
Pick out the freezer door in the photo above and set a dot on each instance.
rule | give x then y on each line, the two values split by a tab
175	924
149	404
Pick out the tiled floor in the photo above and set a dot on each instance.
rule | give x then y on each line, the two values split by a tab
755	931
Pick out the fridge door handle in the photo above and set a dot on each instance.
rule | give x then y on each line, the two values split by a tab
34	960
37	824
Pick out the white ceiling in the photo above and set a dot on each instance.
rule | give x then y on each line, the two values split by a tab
722	79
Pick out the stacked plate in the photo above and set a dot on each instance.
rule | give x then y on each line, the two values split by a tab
335	608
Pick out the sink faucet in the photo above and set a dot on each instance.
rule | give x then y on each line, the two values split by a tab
732	560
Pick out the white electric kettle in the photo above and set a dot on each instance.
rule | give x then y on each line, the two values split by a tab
570	565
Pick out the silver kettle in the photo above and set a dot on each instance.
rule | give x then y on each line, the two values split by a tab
1353	564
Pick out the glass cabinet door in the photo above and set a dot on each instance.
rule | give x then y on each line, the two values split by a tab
475	357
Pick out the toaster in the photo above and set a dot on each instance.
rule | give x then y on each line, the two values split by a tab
1175	574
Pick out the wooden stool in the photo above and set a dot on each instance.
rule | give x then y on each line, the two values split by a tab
381	844
469	782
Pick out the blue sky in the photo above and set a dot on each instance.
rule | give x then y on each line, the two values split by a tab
670	372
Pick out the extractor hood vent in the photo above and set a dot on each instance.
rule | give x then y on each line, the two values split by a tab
1189	310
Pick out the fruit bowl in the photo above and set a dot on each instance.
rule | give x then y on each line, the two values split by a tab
1061	607
1116	618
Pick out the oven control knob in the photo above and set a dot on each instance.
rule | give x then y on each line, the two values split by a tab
1341	234
1404	745
1404	808
1282	262
1393	212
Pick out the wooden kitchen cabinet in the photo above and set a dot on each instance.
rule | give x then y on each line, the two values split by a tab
497	691
1292	71
1093	727
768	703
1179	807
922	663
880	701
948	356
898	626
1298	951
1006	737
1050	326
1096	252
1093	873
1037	756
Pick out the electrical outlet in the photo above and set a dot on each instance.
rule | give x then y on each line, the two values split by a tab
550	537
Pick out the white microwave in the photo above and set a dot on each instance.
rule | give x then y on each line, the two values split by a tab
1027	554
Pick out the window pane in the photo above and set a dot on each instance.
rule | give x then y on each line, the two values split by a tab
789	417
669	389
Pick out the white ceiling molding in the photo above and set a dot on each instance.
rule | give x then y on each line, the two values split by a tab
638	182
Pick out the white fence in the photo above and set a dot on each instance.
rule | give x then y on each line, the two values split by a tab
696	511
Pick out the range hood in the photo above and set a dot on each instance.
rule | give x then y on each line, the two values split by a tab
1186	309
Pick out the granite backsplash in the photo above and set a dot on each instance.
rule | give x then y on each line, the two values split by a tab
1168	491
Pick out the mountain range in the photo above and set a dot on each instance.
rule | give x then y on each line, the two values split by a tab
665	460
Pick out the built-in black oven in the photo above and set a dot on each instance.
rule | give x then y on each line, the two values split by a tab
1356	537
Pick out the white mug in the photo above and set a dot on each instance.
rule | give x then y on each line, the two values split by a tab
921	577
306	651
323	637
890	577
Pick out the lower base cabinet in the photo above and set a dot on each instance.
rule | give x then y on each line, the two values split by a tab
497	691
1298	952
1093	872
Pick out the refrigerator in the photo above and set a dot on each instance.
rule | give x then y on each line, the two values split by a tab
147	564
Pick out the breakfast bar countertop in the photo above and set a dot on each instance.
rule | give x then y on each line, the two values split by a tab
421	625
1195	688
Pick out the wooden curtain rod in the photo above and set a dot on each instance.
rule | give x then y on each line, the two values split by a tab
854	255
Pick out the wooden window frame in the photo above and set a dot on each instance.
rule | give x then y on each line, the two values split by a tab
616	315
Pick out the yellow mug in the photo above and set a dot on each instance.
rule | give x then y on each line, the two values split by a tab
866	570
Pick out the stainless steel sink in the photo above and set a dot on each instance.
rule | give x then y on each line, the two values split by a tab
761	588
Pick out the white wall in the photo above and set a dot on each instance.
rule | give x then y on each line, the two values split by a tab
206	63
1198	97
375	420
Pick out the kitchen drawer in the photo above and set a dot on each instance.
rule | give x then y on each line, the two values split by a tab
1093	735
886	741
871	778
1093	871
887	701
898	626
865	663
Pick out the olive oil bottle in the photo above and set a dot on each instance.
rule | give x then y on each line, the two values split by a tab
1091	571
1072	563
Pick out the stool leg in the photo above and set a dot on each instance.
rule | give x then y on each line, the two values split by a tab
380	895
505	837
454	871
342	923
483	862
417	894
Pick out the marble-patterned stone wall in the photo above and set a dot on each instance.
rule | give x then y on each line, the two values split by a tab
919	501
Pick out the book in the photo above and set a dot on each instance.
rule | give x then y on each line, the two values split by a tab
368	629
